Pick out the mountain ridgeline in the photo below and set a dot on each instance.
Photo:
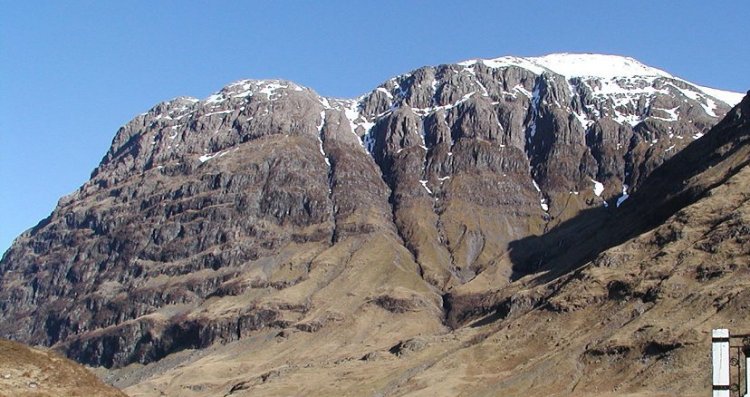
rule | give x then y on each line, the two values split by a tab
447	195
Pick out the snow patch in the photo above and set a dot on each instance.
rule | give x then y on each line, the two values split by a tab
630	119
595	65
386	92
672	114
624	196
542	200
351	111
320	138
728	97
356	120
703	95
598	188
215	98
207	157
574	65
369	142
270	88
522	90
710	107
585	121
504	62
326	104
215	113
484	89
424	185
183	116
243	94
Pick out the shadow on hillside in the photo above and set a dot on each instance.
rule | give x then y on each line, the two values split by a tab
682	180
562	249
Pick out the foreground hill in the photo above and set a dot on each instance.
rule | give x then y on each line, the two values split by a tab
470	228
30	372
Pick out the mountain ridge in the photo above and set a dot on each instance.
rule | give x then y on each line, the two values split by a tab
534	63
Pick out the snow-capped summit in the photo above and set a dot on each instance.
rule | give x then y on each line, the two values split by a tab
575	65
597	66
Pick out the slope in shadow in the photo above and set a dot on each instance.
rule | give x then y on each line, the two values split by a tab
679	182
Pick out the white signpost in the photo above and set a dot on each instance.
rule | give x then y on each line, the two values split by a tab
720	359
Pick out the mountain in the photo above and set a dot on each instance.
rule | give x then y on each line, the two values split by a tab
444	227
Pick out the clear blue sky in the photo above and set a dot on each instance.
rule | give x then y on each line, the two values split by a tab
72	72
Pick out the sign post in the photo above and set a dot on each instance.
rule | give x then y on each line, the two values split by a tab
720	360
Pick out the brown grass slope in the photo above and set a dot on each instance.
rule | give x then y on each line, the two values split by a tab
30	372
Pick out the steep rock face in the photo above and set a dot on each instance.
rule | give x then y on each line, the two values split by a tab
209	221
511	147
